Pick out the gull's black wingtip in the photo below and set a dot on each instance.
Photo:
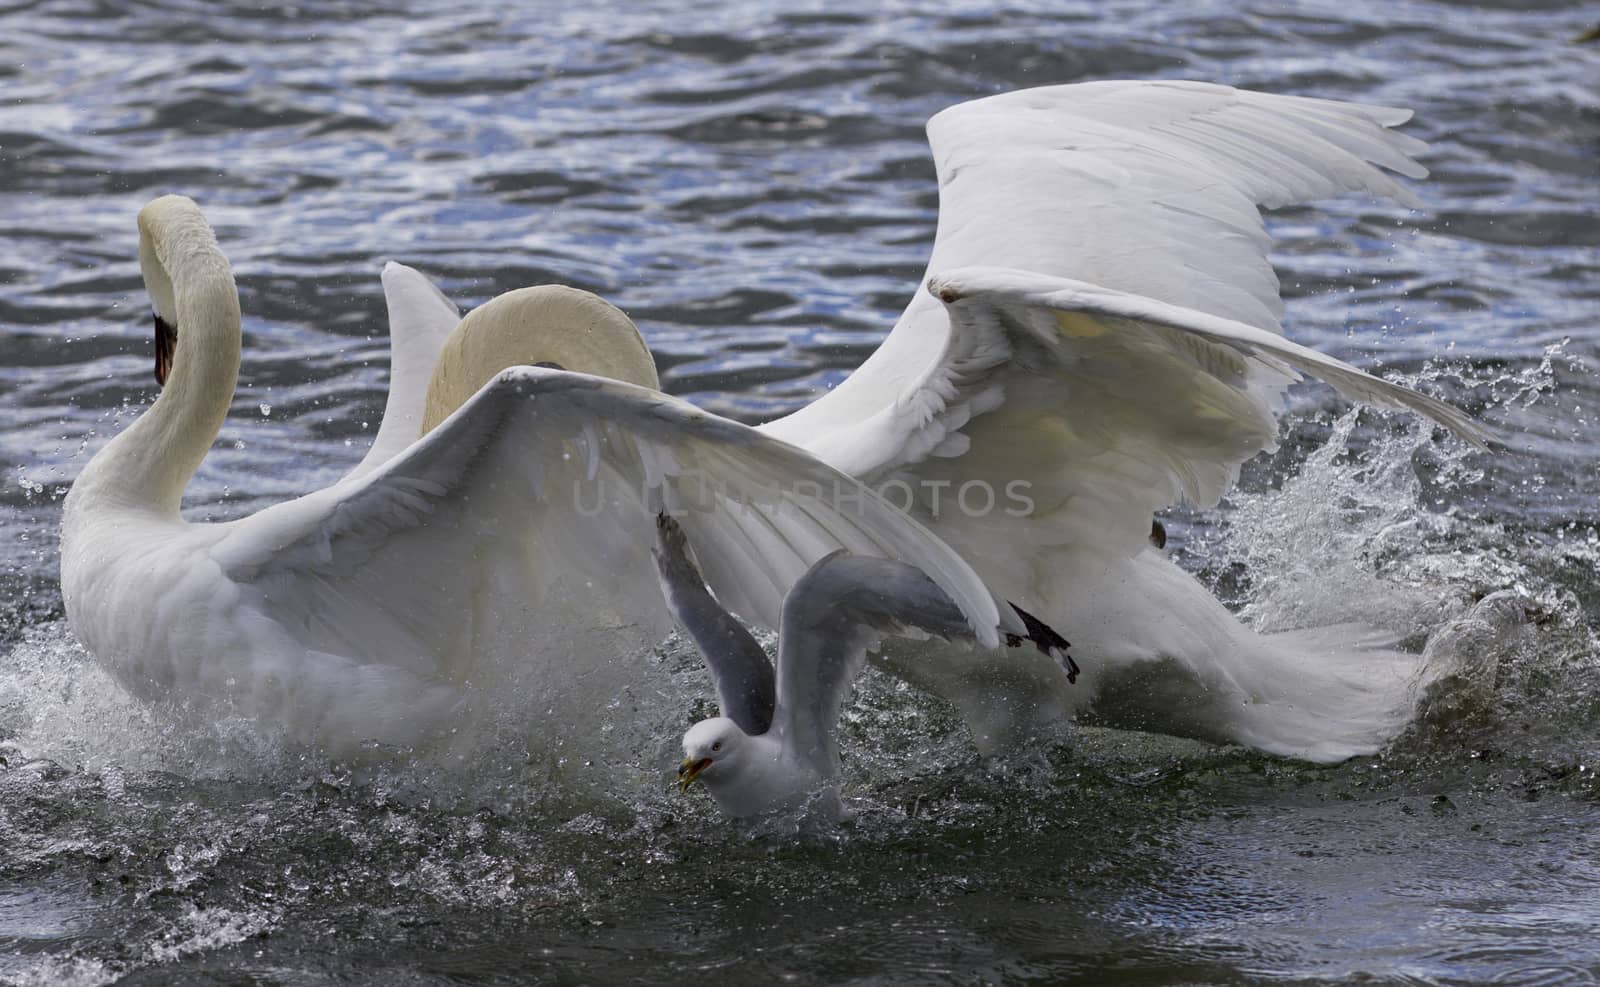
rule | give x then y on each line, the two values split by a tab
1045	638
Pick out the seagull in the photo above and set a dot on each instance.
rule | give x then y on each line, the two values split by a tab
775	748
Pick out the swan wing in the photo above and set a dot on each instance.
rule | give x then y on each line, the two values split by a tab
1097	324
1151	188
546	478
838	611
1069	412
420	319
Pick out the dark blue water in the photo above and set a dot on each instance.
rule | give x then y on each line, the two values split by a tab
752	186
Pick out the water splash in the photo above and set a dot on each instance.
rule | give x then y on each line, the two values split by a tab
1383	521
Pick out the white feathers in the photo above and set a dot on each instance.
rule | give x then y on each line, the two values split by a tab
1104	343
383	608
1098	341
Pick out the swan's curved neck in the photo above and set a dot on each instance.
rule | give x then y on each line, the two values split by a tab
149	464
547	324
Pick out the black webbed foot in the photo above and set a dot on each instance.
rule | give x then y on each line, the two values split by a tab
1045	638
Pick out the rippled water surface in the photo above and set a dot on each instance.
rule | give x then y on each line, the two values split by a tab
751	184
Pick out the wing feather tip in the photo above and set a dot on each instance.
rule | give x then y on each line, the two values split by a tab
1481	436
943	288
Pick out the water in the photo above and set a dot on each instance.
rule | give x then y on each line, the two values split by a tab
752	186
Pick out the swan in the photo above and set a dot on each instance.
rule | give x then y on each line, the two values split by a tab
494	535
1101	328
774	749
1097	339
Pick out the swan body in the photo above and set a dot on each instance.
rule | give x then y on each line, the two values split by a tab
1098	339
503	553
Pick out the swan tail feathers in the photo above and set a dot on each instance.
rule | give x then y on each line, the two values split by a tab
1325	694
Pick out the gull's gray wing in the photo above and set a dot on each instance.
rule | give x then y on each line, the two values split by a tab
832	617
739	665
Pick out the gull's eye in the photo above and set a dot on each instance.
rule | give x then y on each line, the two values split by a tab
716	746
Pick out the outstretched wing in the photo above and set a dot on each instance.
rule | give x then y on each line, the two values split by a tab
838	611
1113	357
547	483
746	685
1115	405
1153	188
1065	413
420	320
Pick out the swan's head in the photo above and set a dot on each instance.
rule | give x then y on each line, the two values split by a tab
547	325
172	231
165	213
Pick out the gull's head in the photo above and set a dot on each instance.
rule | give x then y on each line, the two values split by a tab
713	750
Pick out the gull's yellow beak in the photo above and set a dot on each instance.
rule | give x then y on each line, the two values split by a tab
689	770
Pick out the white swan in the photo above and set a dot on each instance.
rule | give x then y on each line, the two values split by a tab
1099	340
509	543
1118	352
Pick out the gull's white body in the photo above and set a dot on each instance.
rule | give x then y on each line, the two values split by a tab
506	547
761	775
1101	327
